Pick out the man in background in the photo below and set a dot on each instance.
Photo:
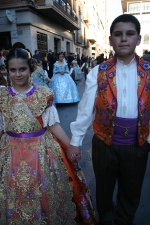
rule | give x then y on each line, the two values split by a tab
51	62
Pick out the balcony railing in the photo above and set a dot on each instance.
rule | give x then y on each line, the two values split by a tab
67	8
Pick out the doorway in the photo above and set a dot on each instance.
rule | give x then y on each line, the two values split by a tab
5	40
68	47
57	45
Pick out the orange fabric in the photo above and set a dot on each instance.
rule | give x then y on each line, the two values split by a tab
106	102
79	188
39	118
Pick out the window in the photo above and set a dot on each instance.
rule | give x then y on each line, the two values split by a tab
68	8
42	42
146	6
63	4
146	39
134	7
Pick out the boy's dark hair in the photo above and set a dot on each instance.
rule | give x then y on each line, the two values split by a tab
16	53
126	18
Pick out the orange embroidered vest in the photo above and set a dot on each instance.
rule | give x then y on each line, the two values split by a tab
106	101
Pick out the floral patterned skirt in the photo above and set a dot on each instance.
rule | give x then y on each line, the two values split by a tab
40	186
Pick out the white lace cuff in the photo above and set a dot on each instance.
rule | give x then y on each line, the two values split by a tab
50	116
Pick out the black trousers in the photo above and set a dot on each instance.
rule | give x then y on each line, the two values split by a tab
127	164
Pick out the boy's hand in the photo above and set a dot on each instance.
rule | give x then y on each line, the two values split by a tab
73	153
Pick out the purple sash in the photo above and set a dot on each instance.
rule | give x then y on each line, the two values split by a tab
128	138
27	135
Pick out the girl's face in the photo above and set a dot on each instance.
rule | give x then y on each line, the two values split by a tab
61	58
19	72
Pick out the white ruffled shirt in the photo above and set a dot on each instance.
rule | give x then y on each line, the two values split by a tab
127	99
49	116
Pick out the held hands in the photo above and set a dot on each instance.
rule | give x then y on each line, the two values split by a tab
73	153
62	72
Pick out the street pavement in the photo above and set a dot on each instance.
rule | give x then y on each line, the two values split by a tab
67	114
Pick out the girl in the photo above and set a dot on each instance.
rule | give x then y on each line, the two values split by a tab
77	69
65	90
38	185
37	76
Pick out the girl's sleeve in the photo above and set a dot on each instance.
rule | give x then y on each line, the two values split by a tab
50	116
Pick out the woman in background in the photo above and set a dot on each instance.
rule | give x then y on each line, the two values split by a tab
65	90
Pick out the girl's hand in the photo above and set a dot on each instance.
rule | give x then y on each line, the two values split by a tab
73	153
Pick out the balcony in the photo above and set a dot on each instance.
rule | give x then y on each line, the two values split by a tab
59	11
92	36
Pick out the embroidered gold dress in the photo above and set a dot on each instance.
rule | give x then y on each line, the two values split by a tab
38	184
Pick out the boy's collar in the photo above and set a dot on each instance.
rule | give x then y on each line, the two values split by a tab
136	57
107	65
120	62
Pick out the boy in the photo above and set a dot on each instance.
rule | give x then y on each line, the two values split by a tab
3	72
118	90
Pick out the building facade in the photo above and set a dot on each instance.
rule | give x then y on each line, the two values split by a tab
141	10
78	26
42	24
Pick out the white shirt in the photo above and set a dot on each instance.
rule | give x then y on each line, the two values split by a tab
126	81
127	99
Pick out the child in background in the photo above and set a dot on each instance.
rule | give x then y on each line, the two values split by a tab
2	81
39	185
4	72
72	72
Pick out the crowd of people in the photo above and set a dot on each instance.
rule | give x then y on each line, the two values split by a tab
58	72
41	181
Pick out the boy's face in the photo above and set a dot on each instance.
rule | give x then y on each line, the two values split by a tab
124	39
3	71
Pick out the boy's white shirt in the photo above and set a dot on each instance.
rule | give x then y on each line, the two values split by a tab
127	99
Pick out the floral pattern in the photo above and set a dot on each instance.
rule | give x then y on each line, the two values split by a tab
104	116
102	84
141	104
142	74
111	75
146	116
146	66
147	83
103	66
106	101
39	185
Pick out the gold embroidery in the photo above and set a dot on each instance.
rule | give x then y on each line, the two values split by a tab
57	183
25	192
21	189
17	119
